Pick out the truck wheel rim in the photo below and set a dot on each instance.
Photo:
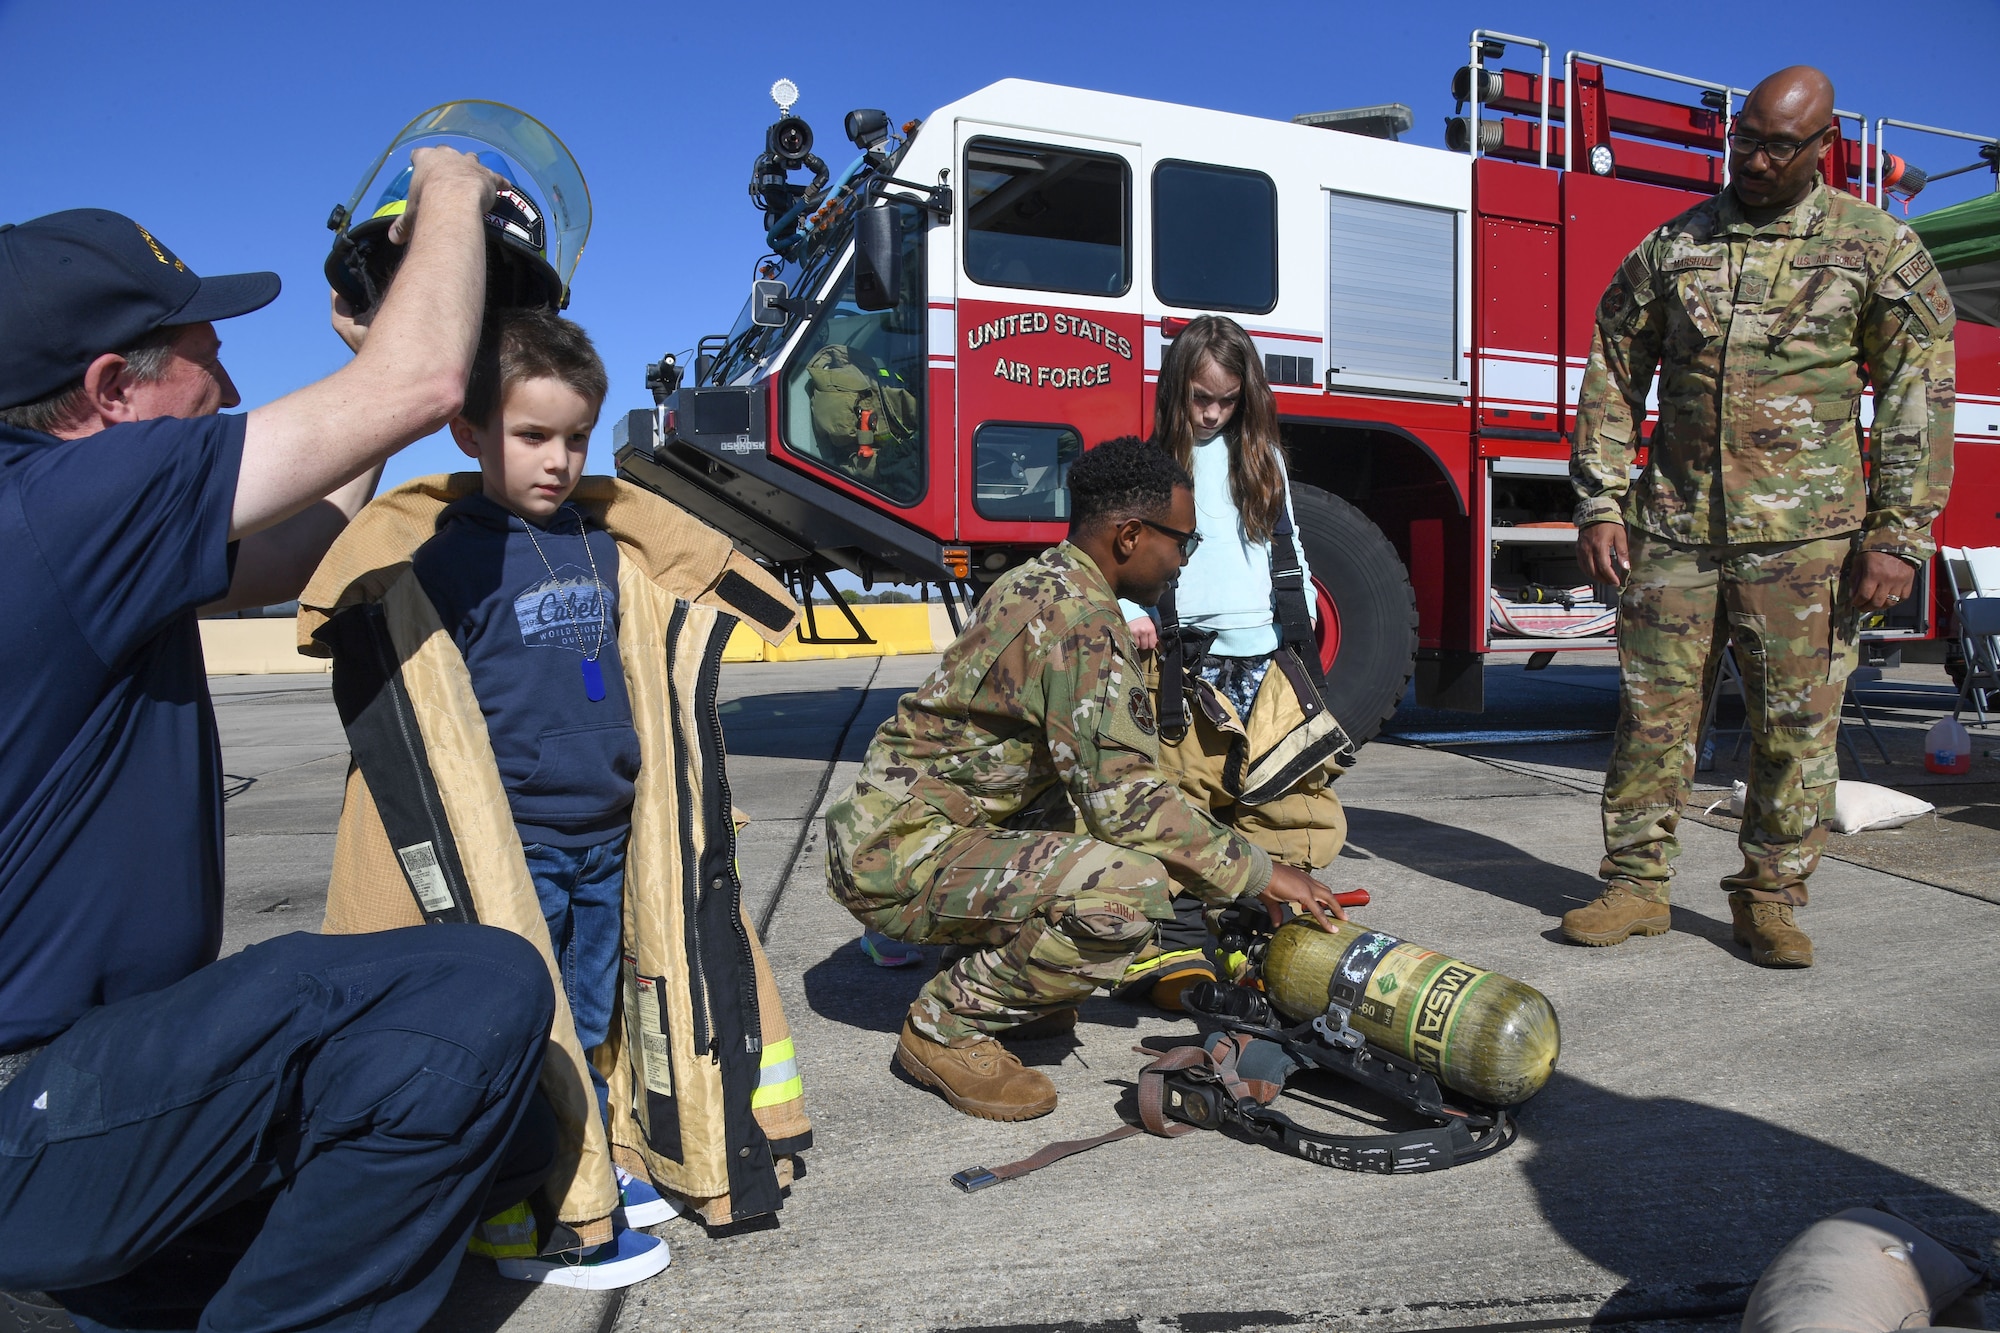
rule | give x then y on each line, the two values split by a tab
1327	632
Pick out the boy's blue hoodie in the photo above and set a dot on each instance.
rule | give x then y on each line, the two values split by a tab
568	763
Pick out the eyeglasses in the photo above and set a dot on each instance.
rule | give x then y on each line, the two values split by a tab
1780	151
1187	541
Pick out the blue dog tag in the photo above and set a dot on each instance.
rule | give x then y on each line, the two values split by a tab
593	680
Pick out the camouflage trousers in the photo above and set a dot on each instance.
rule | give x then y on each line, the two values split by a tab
1784	605
1051	917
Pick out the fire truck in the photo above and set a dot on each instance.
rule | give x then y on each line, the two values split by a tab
941	328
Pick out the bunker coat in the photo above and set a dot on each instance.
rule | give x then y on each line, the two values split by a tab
705	1095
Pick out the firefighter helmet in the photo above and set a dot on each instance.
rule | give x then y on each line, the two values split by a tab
535	227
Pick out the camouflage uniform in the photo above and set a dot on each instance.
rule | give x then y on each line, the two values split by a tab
1036	713
1754	498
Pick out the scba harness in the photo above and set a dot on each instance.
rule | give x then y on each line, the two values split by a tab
1232	1081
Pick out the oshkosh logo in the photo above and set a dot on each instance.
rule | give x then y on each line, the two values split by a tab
159	251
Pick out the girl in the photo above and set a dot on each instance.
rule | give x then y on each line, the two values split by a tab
1216	414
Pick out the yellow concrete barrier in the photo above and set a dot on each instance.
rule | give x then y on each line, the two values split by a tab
897	627
270	646
256	648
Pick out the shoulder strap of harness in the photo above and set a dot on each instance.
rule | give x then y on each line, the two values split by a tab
1288	589
1173	713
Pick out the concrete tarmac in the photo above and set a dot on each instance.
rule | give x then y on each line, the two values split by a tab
1702	1113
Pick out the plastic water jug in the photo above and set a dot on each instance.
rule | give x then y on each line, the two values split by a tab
1947	747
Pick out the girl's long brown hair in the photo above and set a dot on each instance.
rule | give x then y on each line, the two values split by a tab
1256	470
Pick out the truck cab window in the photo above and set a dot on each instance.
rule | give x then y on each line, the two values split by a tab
1050	219
853	398
1022	472
1215	238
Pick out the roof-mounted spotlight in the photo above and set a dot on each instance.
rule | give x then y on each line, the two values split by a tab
867	127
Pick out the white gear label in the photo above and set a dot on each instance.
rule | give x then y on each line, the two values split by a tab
653	1039
420	864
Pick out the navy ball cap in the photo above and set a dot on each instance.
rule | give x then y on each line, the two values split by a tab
77	284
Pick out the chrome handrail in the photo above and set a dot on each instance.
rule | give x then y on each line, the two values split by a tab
1569	98
1881	148
1480	36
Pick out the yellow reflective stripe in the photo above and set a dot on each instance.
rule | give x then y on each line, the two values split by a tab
778	1075
394	208
508	1235
773	1075
791	1089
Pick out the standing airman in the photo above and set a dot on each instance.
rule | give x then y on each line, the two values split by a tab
1767	311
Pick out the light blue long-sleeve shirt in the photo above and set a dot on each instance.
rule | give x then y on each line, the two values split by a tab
1226	587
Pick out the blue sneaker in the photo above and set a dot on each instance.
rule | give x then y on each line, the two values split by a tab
628	1257
887	952
644	1205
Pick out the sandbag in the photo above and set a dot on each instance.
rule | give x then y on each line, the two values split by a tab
1860	1271
1481	1034
1858	807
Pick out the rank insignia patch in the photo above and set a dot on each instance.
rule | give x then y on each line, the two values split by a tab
1141	709
1935	298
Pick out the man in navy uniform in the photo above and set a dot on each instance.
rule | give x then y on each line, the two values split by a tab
303	1134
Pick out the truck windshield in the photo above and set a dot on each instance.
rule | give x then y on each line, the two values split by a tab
852	396
803	276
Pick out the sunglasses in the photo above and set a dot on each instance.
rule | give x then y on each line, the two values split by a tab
1187	541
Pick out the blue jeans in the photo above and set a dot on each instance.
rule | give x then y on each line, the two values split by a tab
298	1136
582	891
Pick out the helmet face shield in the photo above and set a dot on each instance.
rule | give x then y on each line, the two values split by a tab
536	225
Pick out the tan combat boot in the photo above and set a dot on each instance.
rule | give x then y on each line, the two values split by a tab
1617	915
1768	931
983	1079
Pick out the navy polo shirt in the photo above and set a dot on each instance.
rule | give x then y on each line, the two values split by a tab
110	768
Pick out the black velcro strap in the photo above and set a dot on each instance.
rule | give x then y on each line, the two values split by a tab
382	732
740	594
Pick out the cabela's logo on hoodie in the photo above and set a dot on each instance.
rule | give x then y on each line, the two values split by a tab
567	611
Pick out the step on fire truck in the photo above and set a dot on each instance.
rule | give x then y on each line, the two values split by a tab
938	331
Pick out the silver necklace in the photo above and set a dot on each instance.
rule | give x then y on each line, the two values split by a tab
593	673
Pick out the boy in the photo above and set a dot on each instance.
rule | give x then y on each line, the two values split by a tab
528	592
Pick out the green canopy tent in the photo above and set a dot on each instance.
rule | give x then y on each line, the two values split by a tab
1965	241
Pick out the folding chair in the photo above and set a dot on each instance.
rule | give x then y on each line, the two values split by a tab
1974	574
1730	679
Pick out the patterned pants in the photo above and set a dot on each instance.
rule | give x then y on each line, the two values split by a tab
1784	604
1052	915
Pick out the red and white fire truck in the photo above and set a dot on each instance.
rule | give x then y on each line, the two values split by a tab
983	294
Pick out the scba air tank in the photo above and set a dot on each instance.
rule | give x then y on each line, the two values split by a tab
1483	1035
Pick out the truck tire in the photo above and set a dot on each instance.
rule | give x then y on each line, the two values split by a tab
1367	610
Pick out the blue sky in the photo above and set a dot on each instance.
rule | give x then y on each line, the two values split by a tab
231	129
